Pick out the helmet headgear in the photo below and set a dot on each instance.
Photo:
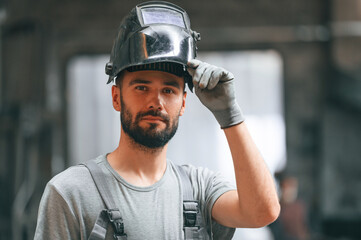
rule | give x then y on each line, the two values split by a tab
155	35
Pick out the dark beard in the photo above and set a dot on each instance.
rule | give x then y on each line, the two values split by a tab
150	138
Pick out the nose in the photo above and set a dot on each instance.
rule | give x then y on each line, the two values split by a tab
155	101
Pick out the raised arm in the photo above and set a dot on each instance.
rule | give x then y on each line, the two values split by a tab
255	203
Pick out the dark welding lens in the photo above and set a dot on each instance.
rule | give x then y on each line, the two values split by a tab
158	15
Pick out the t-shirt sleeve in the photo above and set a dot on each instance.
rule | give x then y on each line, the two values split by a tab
55	218
208	187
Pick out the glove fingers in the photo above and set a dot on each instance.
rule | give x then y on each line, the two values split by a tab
225	75
215	78
191	71
206	77
193	63
192	67
199	73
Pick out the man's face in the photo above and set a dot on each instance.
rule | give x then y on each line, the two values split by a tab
150	105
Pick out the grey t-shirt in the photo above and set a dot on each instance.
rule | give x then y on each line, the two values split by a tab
71	203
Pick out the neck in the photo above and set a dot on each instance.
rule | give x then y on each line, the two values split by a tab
137	164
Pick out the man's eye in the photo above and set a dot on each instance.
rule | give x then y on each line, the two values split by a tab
141	88
168	91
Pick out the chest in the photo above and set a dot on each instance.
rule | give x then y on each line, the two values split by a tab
150	213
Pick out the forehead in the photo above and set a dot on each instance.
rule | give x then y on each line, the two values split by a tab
152	77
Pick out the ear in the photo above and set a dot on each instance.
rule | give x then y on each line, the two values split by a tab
183	108
116	98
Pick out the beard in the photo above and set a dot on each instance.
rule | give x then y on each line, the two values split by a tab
148	137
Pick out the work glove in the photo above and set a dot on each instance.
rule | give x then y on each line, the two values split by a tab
214	86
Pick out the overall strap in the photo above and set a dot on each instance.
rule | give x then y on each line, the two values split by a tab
192	218
111	213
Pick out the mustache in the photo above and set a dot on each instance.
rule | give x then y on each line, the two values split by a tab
153	113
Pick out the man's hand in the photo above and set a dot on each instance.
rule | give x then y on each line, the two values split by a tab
214	87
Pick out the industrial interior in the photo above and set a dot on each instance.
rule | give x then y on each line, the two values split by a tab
298	72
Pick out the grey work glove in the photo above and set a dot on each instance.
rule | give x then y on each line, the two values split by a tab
214	87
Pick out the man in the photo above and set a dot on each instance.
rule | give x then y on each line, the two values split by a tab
151	60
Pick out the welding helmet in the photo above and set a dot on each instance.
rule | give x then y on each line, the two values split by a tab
155	35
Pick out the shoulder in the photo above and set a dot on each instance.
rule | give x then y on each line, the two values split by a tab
204	179
68	178
193	170
207	185
73	180
198	174
65	177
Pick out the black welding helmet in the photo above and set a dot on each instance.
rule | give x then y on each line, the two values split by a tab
155	35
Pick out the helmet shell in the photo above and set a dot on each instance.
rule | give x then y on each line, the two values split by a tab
152	32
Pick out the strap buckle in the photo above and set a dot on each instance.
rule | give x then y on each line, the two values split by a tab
190	218
117	222
190	212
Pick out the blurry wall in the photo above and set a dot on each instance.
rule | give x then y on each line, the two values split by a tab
318	40
94	127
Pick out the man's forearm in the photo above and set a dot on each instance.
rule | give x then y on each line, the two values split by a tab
255	186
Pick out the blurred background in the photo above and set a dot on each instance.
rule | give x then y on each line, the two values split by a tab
298	78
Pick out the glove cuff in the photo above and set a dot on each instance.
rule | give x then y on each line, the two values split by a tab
230	116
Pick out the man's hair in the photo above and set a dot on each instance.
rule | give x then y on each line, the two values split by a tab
118	79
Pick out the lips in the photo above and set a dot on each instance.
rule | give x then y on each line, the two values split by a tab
153	118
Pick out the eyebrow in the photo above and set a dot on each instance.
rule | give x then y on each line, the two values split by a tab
138	81
171	83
